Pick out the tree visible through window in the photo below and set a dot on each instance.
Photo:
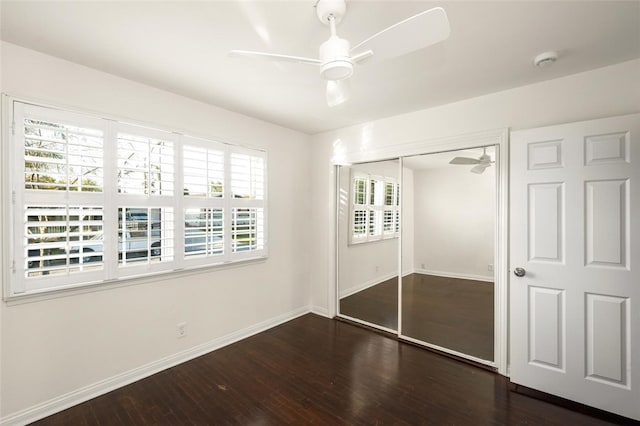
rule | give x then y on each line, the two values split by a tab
62	157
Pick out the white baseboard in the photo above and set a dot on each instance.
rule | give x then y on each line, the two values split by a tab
365	285
455	275
318	310
86	393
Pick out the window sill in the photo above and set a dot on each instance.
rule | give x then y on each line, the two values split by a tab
42	295
376	240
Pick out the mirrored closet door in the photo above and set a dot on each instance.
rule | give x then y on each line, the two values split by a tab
367	244
440	209
448	238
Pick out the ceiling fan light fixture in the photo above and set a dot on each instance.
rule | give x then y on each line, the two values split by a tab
338	92
334	55
479	169
336	70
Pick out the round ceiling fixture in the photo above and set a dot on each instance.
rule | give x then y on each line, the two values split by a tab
545	59
336	62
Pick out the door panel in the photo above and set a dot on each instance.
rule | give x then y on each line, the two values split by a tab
606	219
575	215
607	339
546	327
546	218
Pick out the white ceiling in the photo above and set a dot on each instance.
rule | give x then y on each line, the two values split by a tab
182	47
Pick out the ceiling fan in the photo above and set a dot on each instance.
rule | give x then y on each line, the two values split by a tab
337	58
480	163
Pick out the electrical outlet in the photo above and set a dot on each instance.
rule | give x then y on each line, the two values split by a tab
377	268
422	265
490	267
181	330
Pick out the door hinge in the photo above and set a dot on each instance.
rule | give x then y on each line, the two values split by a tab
13	266
13	196
13	128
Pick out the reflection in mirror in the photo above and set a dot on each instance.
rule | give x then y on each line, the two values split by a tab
448	243
368	234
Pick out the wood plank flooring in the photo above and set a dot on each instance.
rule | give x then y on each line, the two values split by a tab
377	304
314	370
452	313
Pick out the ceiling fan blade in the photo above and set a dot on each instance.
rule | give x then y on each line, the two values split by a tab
479	169
362	56
338	92
414	33
275	57
464	160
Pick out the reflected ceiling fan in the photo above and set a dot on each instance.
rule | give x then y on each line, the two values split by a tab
337	58
481	163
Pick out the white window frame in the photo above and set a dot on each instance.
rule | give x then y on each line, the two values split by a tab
17	198
378	208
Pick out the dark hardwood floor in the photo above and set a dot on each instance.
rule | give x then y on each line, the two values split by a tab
452	313
377	304
314	370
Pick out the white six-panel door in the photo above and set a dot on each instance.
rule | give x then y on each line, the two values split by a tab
574	222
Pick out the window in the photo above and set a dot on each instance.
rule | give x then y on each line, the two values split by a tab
203	171
247	230
247	203
205	190
56	235
375	208
62	156
203	232
145	235
96	200
145	164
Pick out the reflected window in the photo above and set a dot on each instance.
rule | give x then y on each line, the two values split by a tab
375	208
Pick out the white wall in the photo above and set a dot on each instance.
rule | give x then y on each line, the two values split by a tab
608	91
56	346
454	221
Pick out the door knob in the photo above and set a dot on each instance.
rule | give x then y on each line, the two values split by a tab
519	272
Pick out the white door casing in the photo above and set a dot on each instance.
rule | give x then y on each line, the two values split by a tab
574	221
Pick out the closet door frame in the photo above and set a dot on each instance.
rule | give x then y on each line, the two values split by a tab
498	138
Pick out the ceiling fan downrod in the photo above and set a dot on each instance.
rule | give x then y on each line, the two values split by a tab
334	53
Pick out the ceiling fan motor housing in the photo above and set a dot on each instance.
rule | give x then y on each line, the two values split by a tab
336	62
